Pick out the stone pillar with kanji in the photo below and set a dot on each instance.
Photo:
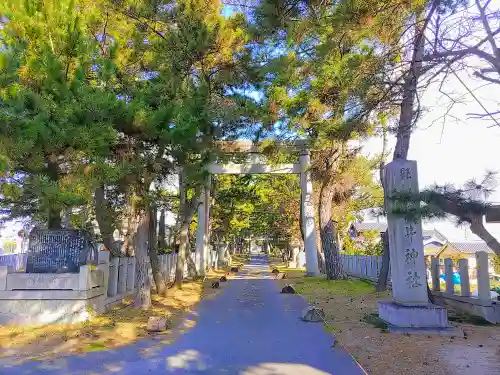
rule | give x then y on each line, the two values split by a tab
410	306
405	236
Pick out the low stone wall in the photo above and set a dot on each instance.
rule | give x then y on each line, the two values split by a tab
488	310
38	308
35	299
50	298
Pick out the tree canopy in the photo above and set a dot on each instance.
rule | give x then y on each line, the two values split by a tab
101	102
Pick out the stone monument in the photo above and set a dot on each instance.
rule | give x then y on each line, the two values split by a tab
410	307
59	251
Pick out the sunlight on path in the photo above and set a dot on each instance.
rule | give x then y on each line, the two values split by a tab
248	329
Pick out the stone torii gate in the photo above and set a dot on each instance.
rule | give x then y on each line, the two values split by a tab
256	165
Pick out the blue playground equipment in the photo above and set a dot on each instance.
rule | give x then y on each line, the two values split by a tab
456	278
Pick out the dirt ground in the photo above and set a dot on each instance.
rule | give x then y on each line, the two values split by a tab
351	313
120	326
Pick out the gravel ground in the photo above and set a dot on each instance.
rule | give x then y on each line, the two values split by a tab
382	353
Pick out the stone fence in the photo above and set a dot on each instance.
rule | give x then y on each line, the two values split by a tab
482	302
17	261
479	302
44	298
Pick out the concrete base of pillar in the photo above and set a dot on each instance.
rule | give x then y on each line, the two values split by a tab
430	316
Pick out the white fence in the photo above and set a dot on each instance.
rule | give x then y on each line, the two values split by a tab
363	266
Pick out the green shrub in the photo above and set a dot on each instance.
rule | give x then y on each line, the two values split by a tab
496	264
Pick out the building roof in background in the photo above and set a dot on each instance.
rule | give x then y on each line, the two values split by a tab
382	227
370	227
470	247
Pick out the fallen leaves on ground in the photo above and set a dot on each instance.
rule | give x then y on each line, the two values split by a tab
349	305
120	326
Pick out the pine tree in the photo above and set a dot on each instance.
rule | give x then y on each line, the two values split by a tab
57	116
327	82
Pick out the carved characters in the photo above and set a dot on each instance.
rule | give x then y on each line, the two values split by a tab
413	280
410	256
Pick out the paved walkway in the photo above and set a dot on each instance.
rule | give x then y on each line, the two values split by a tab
249	329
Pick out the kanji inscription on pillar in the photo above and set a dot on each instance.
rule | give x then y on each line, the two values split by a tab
405	234
413	279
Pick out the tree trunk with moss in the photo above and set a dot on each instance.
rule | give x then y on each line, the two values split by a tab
158	277
187	209
333	263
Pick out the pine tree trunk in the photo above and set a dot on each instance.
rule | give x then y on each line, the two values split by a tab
187	210
384	269
162	243
141	237
54	219
477	227
104	221
54	212
191	265
158	277
333	263
410	85
181	256
321	260
319	248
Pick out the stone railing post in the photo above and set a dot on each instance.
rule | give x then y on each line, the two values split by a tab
448	272
483	277
131	274
436	284
122	275
104	267
4	272
463	265
84	278
113	277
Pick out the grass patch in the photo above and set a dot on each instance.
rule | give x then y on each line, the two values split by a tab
350	287
459	317
96	347
374	320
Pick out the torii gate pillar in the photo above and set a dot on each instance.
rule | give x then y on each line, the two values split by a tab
308	227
